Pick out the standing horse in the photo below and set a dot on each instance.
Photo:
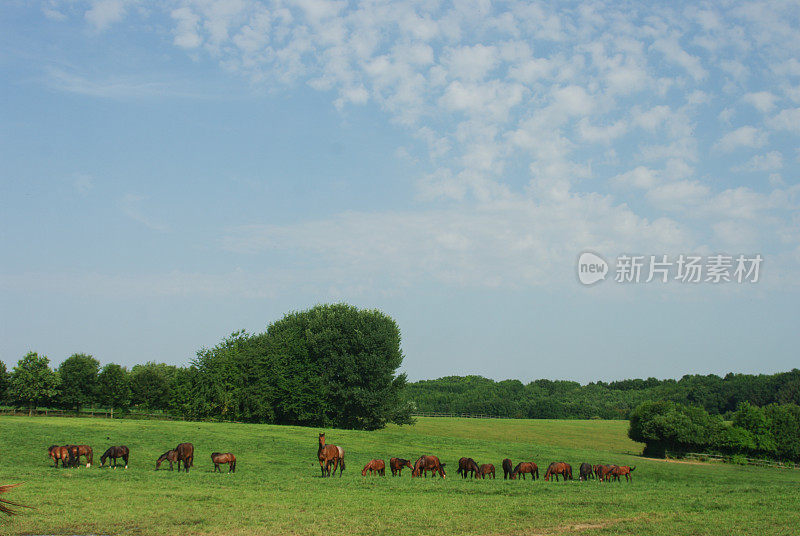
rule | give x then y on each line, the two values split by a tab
606	472
524	468
397	464
467	465
186	455
86	451
486	469
5	509
623	470
328	454
428	463
585	471
558	468
508	468
61	453
114	453
170	456
375	468
218	458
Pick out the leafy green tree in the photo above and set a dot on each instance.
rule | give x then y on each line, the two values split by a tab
78	381
150	385
114	387
4	383
33	383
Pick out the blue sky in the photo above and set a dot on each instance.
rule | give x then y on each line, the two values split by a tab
174	172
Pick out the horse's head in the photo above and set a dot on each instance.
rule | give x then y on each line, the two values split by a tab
441	470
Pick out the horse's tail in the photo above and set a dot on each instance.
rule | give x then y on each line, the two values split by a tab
632	468
343	467
233	466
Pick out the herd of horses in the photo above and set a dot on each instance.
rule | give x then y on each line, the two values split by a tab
332	455
70	455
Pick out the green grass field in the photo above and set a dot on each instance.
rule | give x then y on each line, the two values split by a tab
277	488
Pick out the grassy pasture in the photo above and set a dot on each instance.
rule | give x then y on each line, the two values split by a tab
277	489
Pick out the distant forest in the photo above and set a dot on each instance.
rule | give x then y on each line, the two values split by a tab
546	399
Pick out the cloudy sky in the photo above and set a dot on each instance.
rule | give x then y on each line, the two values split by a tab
174	172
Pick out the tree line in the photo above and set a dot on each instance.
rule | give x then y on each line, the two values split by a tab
547	399
667	427
331	365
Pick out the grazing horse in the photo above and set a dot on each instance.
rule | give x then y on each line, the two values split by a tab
397	464
524	468
330	454
61	453
170	456
428	463
558	468
596	470
508	468
114	453
186	455
486	469
73	452
86	451
5	509
623	470
468	465
219	457
585	471
606	472
375	468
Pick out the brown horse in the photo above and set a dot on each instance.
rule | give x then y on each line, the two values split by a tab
186	455
524	468
486	469
330	454
61	453
428	463
606	472
86	451
623	470
170	456
375	468
397	464
218	458
114	453
558	468
3	503
468	465
508	468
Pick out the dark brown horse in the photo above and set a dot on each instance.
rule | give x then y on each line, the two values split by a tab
524	468
585	471
186	455
623	470
485	470
508	468
397	464
428	463
4	504
330	454
606	472
558	468
375	468
468	465
61	453
86	451
219	457
170	456
114	453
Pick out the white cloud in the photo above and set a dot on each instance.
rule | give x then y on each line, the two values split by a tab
771	161
131	206
641	177
788	119
673	52
747	136
104	13
763	101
